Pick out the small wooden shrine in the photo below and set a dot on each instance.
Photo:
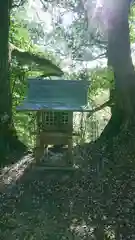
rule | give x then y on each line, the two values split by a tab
54	102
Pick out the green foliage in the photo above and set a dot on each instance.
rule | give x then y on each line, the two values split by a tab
24	123
100	78
19	37
131	24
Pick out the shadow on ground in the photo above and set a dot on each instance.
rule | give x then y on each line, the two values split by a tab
37	204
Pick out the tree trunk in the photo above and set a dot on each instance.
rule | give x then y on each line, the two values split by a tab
119	59
5	95
123	111
7	131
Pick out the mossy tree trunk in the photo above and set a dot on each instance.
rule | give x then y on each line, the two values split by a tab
7	132
119	58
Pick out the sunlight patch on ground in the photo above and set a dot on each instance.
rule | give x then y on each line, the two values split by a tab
9	175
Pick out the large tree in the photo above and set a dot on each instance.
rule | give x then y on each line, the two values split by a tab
119	58
5	94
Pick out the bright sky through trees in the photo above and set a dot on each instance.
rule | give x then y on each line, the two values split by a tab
97	15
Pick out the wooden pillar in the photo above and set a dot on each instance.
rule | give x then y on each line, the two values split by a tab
69	155
39	152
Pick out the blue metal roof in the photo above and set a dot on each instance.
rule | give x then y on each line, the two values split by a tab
56	95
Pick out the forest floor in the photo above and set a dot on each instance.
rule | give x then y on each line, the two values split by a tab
34	204
39	204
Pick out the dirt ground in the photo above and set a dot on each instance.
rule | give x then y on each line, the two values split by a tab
35	204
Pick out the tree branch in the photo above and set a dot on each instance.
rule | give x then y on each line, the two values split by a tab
35	61
21	2
106	104
100	56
